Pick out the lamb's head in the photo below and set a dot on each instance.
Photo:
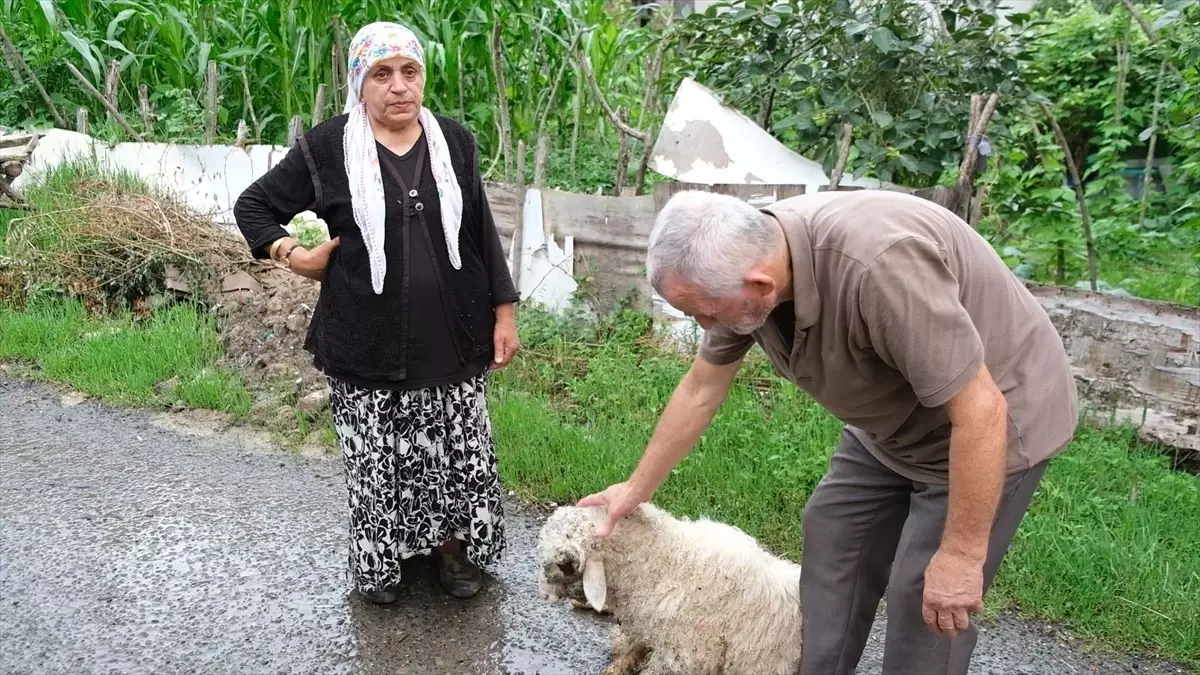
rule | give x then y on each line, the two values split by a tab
571	557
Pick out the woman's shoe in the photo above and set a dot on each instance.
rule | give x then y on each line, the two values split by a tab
380	597
458	575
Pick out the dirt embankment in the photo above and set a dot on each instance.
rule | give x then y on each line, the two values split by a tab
263	312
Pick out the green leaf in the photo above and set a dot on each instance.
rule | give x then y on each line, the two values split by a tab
84	50
1147	133
884	39
882	118
117	46
48	10
115	24
772	20
855	27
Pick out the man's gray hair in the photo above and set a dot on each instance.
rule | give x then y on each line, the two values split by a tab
708	239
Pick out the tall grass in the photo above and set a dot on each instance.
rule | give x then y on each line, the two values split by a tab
284	51
1109	546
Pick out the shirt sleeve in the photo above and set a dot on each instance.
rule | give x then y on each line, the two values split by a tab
909	303
721	346
272	200
491	249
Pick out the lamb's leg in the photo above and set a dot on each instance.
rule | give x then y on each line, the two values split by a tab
627	654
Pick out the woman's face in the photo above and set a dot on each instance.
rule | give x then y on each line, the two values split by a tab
393	90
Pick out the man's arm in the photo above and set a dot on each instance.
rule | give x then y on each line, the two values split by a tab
690	410
978	456
954	578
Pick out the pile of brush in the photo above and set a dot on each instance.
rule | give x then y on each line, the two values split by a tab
112	241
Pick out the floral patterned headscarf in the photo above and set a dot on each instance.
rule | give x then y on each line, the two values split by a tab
373	43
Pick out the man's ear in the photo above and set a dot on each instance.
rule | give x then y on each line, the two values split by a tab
595	587
759	283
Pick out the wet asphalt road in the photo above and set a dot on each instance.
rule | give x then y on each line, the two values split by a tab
126	547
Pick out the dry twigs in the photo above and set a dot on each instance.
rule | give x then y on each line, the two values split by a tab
106	243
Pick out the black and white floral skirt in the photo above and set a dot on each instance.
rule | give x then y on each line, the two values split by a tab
420	469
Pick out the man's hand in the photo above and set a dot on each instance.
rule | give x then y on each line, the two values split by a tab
621	499
312	263
504	336
953	591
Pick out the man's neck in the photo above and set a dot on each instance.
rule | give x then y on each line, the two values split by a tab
781	267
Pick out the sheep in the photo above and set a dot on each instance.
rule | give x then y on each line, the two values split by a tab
688	597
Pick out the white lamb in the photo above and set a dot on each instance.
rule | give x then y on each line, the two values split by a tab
690	597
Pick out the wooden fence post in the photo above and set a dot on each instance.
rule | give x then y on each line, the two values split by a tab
318	112
81	120
295	130
210	134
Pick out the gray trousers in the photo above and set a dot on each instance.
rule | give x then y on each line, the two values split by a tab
868	530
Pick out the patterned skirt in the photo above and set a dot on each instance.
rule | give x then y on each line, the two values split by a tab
420	469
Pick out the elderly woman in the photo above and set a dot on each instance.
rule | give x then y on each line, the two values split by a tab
415	308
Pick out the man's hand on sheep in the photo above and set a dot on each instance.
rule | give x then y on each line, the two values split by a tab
953	590
621	499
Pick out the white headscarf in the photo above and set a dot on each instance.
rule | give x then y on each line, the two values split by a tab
373	43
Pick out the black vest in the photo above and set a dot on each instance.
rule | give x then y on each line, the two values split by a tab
355	331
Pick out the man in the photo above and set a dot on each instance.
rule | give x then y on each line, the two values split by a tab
955	389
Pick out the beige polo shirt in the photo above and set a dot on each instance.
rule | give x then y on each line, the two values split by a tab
897	303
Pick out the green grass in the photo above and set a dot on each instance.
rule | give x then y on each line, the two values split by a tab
1117	563
120	359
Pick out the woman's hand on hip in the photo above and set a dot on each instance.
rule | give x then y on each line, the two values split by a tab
312	263
504	337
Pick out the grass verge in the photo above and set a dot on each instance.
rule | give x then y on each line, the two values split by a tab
1109	547
120	359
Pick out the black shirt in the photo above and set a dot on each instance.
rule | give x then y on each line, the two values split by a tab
432	324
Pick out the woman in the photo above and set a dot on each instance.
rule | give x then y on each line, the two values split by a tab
416	306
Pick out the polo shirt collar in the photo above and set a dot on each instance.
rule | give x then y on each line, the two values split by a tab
804	282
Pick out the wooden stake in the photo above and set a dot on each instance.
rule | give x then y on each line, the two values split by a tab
20	64
622	156
295	130
81	120
243	134
108	106
578	113
339	62
648	99
835	178
110	83
250	105
539	164
144	108
498	70
318	113
519	218
620	124
1122	77
210	134
1084	213
1146	179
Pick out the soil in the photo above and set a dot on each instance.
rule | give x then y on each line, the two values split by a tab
263	315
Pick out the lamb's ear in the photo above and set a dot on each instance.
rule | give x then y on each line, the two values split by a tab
595	588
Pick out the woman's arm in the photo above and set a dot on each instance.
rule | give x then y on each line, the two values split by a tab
262	209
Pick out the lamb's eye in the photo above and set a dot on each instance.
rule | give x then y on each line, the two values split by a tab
567	567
